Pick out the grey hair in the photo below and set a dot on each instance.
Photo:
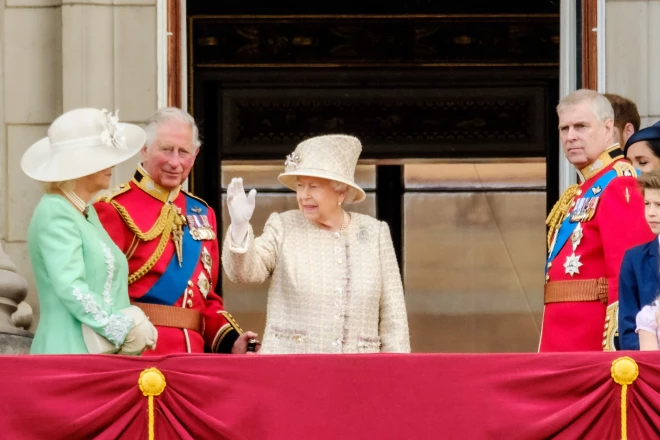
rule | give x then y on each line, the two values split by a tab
167	114
599	103
51	187
351	193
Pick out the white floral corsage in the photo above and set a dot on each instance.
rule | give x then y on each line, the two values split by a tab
113	135
292	162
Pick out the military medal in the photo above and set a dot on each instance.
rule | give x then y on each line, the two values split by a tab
577	213
206	260
200	228
585	209
576	236
572	264
193	227
591	207
203	284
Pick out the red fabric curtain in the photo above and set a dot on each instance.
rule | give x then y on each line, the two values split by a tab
479	396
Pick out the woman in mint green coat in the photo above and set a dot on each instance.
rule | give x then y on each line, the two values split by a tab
81	275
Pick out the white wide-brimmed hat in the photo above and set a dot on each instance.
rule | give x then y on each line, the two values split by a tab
331	157
82	142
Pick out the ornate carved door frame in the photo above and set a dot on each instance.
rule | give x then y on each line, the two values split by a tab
171	47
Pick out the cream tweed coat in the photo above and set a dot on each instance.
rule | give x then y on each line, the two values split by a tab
330	292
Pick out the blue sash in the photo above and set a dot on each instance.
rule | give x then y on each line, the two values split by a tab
567	227
171	285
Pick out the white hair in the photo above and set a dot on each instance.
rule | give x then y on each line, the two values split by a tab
599	103
351	193
168	114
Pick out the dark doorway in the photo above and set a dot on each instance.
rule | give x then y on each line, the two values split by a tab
454	105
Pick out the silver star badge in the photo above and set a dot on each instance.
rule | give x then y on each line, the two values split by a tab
572	264
206	260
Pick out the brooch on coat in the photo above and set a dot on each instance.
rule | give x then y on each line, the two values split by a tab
292	162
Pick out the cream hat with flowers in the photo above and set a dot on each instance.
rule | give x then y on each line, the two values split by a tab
332	157
82	142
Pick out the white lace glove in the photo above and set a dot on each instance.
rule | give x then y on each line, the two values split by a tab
142	336
241	208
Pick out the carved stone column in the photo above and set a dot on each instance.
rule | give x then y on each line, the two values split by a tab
14	313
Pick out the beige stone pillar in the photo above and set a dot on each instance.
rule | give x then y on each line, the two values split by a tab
54	56
109	60
13	290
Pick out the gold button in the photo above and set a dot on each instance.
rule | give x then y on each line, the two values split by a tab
189	303
190	283
604	334
607	318
549	264
579	192
191	293
547	277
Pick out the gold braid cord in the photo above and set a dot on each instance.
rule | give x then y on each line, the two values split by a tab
559	211
162	228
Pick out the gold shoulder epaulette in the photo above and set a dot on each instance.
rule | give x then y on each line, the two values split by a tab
623	168
194	196
114	192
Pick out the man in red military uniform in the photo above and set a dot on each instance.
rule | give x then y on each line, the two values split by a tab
591	227
170	240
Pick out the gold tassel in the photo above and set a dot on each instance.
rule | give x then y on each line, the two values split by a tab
559	211
624	372
152	383
163	227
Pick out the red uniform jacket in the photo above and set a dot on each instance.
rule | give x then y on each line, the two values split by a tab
608	221
139	204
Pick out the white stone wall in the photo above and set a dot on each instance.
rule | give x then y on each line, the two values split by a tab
56	55
632	50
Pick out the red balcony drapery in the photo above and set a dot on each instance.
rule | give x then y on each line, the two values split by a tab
475	396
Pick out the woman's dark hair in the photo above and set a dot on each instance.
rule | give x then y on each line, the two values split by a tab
654	145
649	134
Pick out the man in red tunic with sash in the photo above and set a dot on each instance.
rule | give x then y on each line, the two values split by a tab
170	240
591	227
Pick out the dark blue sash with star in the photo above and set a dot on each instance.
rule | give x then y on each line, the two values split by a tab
567	226
171	285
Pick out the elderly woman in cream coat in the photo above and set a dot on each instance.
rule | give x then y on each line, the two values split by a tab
335	285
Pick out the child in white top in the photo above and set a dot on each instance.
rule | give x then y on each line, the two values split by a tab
647	326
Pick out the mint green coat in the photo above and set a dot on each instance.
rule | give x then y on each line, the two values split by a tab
81	276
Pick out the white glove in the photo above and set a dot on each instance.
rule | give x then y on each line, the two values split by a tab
143	335
241	208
